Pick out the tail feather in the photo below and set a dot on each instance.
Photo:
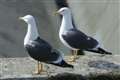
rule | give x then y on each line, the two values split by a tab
63	64
104	52
60	61
100	51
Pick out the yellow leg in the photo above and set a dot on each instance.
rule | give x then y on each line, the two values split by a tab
40	68
74	56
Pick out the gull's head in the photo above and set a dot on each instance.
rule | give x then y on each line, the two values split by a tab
64	11
28	18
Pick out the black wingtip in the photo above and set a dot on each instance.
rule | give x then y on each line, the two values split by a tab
108	53
70	66
63	64
104	51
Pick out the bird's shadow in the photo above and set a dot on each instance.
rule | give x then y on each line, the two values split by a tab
67	76
106	65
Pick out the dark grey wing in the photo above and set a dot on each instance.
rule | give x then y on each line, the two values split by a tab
40	50
79	40
39	40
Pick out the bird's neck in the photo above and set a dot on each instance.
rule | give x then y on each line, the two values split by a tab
66	23
32	33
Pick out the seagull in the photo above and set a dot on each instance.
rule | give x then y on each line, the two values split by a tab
73	38
39	49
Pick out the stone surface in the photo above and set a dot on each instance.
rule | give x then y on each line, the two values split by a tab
85	65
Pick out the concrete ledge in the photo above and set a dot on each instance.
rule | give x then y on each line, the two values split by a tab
26	78
22	68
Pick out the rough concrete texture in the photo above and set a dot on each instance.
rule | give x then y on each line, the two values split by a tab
24	67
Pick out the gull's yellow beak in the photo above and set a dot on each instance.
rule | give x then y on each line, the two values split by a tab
20	18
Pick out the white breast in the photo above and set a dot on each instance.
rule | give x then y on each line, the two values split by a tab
66	24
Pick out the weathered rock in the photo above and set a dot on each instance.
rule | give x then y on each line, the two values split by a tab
85	65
